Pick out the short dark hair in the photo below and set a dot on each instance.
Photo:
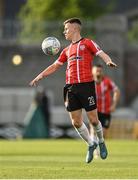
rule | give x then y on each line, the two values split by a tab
73	20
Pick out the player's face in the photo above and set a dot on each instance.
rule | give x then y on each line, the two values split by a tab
97	73
69	30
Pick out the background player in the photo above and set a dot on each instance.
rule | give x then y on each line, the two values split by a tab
107	95
79	91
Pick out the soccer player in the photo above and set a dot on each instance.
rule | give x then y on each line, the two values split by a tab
79	91
107	95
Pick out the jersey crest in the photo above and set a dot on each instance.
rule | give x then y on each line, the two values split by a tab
82	47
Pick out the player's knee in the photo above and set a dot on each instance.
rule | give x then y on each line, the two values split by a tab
95	123
76	124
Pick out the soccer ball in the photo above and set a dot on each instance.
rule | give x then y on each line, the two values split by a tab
51	46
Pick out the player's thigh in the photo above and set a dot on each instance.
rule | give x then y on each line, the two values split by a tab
76	117
92	116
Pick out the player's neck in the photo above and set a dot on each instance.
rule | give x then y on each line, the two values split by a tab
76	38
99	80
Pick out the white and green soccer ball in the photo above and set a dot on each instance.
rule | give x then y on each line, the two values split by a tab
51	46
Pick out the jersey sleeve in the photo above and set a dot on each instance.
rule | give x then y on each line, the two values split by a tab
112	85
62	58
93	47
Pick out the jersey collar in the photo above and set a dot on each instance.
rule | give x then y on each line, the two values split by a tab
77	41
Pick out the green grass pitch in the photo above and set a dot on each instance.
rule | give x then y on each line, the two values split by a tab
65	159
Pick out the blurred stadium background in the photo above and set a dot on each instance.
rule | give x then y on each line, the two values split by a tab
21	59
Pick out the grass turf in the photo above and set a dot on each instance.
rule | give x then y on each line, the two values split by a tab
65	159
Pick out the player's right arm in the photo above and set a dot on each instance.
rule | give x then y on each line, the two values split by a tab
49	70
115	95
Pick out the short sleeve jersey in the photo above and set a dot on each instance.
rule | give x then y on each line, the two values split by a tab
104	91
79	57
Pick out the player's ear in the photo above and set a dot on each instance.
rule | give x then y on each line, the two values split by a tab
77	27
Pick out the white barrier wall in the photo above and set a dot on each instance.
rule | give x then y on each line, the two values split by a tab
14	103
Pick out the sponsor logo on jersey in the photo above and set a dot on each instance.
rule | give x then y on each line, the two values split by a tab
75	58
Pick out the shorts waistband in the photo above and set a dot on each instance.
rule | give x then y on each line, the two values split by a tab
80	83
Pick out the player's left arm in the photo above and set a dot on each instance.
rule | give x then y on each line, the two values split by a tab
116	97
105	57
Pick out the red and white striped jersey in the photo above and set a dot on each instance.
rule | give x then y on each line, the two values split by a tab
79	57
104	91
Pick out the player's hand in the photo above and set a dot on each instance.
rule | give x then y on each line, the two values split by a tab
111	64
35	81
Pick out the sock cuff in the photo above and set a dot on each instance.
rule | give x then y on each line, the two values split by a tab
83	126
98	127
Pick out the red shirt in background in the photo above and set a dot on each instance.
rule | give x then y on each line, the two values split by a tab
104	91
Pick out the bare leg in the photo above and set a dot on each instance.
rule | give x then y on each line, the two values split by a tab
93	119
105	132
80	127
